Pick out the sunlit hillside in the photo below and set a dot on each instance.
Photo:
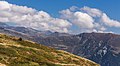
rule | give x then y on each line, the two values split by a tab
17	52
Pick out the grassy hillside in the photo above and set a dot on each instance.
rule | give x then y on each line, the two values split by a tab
17	52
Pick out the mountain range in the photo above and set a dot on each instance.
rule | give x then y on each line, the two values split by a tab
102	48
18	52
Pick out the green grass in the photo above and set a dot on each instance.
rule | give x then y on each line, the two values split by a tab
15	52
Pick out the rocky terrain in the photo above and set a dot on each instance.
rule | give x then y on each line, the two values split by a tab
102	48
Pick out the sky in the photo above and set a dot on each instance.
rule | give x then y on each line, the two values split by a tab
69	16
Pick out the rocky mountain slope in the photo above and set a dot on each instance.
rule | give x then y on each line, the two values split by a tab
102	48
17	52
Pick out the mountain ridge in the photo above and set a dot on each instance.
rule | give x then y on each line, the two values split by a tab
17	52
102	48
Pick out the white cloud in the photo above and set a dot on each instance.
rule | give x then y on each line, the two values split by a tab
89	19
84	19
92	11
101	16
109	22
29	17
22	9
4	5
66	14
61	23
4	19
74	8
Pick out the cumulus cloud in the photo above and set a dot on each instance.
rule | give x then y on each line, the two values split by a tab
109	22
29	17
89	19
74	19
4	5
92	11
101	16
84	21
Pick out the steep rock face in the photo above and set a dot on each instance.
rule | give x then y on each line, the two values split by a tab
60	42
102	48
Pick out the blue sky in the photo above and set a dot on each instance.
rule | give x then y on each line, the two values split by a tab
109	7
